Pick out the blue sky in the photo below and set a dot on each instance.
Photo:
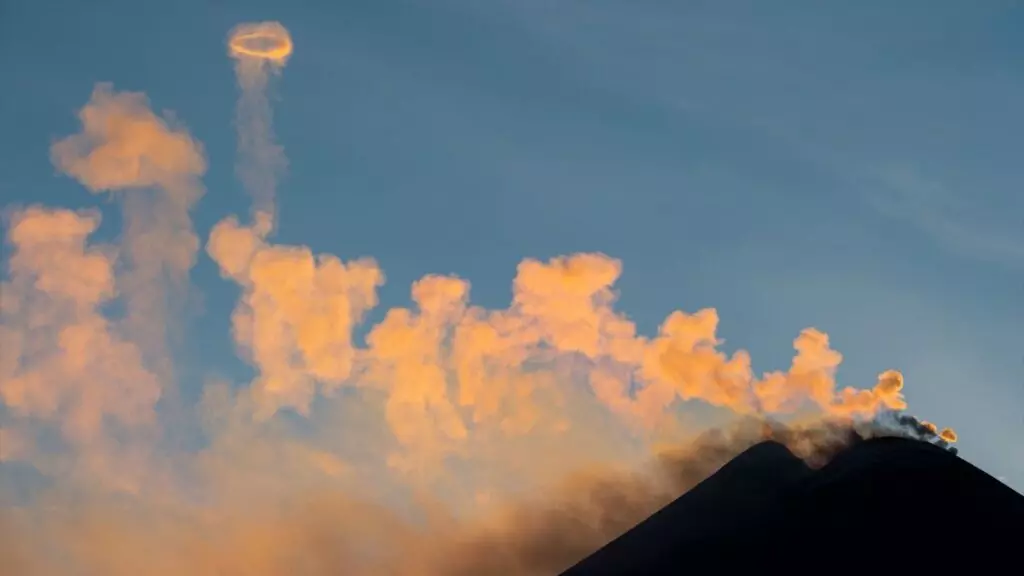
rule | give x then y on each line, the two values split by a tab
849	166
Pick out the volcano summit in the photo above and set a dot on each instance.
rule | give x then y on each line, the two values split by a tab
917	504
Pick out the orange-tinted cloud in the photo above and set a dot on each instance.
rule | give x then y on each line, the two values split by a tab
64	364
124	147
454	373
408	358
295	319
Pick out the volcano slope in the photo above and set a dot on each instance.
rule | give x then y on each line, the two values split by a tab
881	504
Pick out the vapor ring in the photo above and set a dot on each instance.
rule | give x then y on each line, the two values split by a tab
264	40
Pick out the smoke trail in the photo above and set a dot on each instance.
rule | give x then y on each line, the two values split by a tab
124	147
259	49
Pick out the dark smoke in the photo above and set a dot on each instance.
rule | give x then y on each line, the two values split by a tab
546	537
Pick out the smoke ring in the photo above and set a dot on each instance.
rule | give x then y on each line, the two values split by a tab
264	41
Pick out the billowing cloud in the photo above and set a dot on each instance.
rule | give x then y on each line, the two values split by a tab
64	365
452	370
297	313
155	166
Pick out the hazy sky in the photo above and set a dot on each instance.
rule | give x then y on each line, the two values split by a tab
850	166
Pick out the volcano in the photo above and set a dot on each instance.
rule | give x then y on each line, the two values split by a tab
880	504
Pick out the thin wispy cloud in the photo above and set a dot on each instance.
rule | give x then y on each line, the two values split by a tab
966	222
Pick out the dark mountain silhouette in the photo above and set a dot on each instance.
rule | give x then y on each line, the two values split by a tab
880	504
